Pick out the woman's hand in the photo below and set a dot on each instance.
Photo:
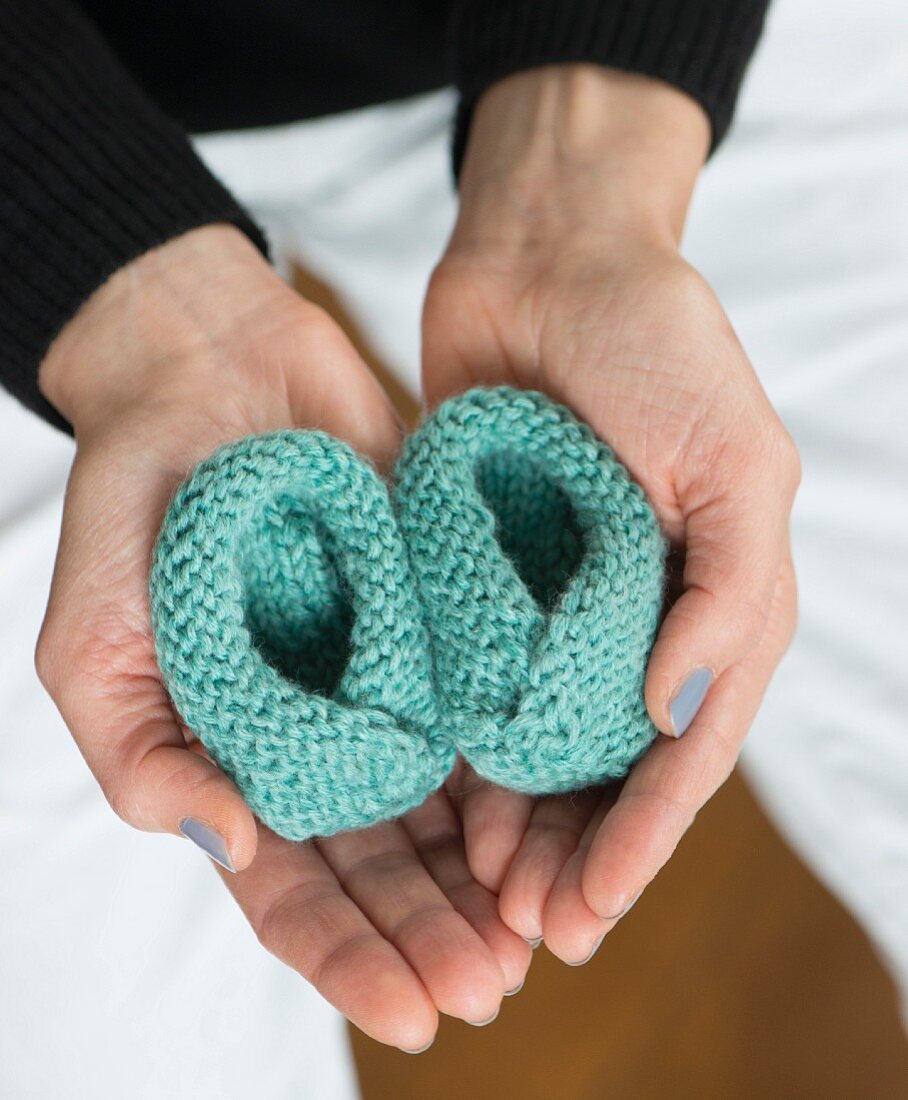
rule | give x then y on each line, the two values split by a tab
195	344
563	275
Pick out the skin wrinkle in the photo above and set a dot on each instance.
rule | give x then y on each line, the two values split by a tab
276	933
368	865
425	918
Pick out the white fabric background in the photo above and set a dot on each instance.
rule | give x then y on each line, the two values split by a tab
802	226
126	970
124	967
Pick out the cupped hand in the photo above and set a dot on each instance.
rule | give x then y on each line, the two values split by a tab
195	344
563	274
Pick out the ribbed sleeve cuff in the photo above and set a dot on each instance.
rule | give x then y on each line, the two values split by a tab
699	46
92	175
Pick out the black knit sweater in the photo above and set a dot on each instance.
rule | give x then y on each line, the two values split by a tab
96	98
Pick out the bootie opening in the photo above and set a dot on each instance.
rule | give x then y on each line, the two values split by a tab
297	604
536	524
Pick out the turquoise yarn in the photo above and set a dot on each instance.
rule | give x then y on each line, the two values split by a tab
540	568
334	653
289	636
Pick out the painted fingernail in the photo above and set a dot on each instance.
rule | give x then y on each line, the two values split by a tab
419	1050
595	948
688	699
513	992
535	943
211	843
484	1023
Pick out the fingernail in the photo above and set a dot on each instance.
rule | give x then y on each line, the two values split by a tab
484	1023
595	948
630	905
688	699
513	992
535	943
211	843
419	1050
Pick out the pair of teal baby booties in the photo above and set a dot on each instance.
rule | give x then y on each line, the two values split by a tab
334	644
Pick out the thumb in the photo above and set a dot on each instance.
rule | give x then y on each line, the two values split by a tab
111	698
735	542
342	397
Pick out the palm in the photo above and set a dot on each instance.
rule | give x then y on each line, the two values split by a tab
643	352
387	922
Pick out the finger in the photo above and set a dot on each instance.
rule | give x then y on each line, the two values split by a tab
380	870
667	788
494	821
457	356
551	837
343	397
436	833
735	542
573	932
95	656
109	694
301	914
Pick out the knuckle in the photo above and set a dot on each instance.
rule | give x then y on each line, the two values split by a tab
47	658
120	801
274	925
789	459
795	470
318	319
784	460
266	931
444	280
307	331
789	609
456	282
321	333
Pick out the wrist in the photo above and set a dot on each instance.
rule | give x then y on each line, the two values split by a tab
580	154
177	315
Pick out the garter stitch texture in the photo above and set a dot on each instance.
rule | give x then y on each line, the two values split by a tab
335	685
540	567
289	635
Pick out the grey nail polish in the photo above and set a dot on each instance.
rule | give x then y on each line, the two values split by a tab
535	943
596	947
688	699
484	1023
513	992
211	843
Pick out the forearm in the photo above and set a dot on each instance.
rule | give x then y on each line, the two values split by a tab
577	153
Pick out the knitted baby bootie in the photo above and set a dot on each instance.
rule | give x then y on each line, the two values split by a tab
540	569
289	635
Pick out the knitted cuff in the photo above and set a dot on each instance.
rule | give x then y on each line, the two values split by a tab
539	567
699	46
92	175
290	638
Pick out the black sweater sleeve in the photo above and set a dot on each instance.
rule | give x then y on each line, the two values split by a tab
700	46
92	175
